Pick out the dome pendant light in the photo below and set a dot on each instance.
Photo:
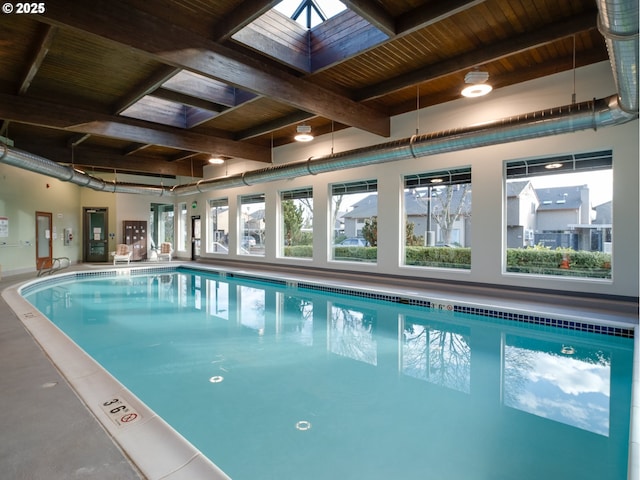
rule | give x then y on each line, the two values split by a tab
477	86
303	133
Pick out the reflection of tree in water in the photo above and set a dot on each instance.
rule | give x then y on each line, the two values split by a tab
517	363
352	334
298	314
439	356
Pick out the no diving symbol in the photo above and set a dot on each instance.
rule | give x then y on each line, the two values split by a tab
129	417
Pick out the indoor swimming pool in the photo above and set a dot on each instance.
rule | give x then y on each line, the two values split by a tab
281	380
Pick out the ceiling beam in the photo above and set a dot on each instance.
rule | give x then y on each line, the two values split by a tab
76	140
41	50
148	86
243	15
180	47
477	58
173	96
433	13
105	159
71	119
375	14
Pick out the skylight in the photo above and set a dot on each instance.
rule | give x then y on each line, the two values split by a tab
310	13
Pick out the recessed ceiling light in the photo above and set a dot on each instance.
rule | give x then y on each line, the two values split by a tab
216	160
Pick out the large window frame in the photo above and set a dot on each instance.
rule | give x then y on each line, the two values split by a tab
353	231
296	223
559	215
436	214
218	229
251	210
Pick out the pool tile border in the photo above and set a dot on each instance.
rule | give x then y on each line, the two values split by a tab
542	320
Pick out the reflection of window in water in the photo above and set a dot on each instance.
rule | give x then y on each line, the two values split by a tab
218	294
568	384
351	334
252	305
437	355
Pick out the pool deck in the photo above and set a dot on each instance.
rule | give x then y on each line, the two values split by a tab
53	425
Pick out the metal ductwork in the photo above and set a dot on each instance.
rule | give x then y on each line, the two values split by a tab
618	22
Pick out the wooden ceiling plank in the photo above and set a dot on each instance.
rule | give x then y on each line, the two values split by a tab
477	58
72	119
180	47
41	51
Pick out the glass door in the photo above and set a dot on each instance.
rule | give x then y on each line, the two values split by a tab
195	237
43	240
96	235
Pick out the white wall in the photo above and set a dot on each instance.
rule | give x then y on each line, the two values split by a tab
487	177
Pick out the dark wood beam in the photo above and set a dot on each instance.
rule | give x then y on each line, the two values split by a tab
105	159
173	45
41	50
135	148
178	97
71	119
375	14
243	15
478	58
274	125
152	83
77	140
435	12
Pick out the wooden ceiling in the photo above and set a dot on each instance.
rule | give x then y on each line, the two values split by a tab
157	87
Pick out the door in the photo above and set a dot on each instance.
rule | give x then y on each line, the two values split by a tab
96	235
195	237
44	245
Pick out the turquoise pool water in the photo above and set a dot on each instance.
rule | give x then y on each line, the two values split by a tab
274	382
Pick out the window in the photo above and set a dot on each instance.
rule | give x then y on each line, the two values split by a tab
218	238
161	223
183	231
296	212
354	212
437	219
569	232
252	224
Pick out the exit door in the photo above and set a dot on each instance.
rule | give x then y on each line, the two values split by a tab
96	235
195	237
44	245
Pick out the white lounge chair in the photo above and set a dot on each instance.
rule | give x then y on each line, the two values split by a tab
166	250
122	254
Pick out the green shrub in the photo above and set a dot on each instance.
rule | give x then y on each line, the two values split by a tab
299	251
445	257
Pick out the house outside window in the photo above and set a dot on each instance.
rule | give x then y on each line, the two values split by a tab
354	216
570	230
437	219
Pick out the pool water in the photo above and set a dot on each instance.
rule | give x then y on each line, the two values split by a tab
275	382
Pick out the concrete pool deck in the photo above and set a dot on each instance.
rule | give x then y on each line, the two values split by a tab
49	432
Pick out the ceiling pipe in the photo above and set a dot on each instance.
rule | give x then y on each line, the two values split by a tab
618	22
